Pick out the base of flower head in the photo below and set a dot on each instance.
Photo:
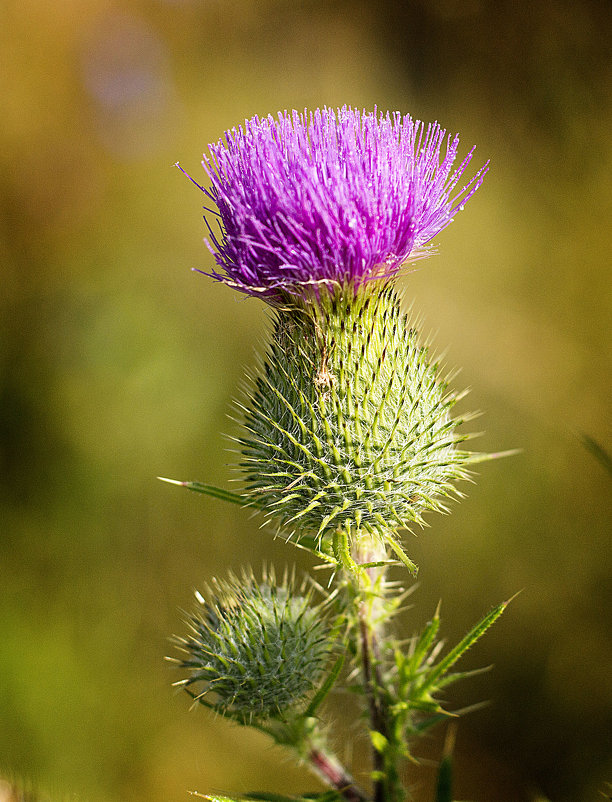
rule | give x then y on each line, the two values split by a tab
345	542
349	427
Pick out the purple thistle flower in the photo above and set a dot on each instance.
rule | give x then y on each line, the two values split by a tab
329	197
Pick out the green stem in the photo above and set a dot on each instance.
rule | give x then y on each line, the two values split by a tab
370	585
377	719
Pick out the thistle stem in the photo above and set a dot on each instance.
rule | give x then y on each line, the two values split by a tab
311	747
377	719
370	583
335	775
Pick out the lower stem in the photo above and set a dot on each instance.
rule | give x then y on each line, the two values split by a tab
309	742
335	775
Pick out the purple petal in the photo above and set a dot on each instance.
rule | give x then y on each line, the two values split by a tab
329	197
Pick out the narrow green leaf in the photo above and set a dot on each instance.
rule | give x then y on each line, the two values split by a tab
425	706
426	639
379	564
216	798
476	457
423	726
342	551
464	644
326	687
402	556
215	492
455	676
263	796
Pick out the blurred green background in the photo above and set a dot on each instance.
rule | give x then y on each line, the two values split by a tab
118	364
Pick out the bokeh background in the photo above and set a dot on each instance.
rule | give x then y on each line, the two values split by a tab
118	364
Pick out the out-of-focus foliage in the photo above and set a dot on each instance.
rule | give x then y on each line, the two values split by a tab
118	364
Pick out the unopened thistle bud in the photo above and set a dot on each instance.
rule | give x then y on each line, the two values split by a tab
255	650
348	427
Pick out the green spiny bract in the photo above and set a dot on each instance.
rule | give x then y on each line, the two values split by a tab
349	427
255	649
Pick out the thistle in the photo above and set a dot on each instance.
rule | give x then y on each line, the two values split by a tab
255	650
349	429
349	434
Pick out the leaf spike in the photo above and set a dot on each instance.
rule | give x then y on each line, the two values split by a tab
425	640
464	644
211	490
342	550
401	554
512	598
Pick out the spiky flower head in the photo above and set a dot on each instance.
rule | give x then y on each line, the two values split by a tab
255	650
349	427
331	197
350	432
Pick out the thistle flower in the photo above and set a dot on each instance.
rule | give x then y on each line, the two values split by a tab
255	649
349	429
330	197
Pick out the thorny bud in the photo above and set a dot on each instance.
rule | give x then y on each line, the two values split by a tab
255	650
